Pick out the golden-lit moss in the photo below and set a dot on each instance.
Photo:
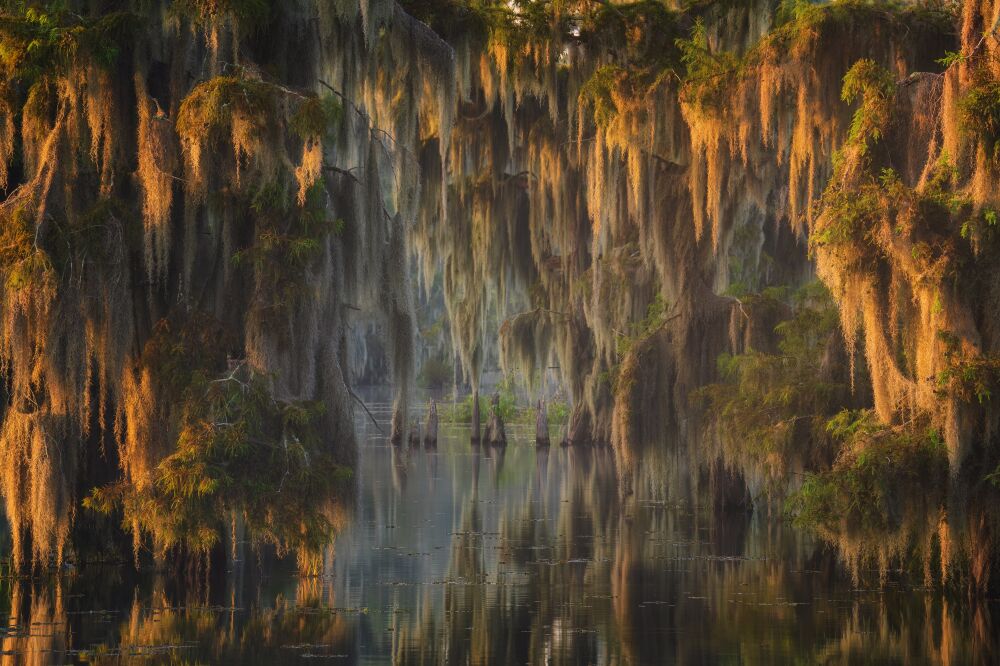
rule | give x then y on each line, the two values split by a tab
108	118
772	138
582	159
234	111
872	87
251	12
158	162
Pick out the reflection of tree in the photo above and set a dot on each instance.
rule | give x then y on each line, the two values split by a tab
559	570
490	616
400	463
498	456
191	629
581	577
913	631
37	628
171	621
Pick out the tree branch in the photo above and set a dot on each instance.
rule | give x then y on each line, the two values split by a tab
365	407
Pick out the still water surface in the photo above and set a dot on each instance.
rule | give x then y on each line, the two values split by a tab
464	555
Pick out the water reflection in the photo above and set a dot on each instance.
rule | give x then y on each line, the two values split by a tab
481	556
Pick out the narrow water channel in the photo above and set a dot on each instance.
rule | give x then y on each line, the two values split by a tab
475	555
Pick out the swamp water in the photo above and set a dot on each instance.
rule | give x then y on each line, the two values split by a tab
474	555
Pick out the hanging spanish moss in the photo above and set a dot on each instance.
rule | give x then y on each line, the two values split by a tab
754	243
652	190
193	212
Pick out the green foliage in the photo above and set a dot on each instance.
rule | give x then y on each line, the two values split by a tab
461	412
794	10
517	23
33	270
38	41
207	113
951	58
22	263
982	225
850	214
451	18
656	317
970	379
815	319
288	232
854	214
979	111
240	453
874	87
436	372
642	35
558	411
183	350
803	27
514	23
770	408
709	76
636	21
317	117
600	92
748	261
877	469
287	239
994	477
800	21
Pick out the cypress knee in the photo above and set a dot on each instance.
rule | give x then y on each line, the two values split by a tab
495	434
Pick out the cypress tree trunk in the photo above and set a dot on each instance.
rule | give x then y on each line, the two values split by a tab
542	425
475	417
431	427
